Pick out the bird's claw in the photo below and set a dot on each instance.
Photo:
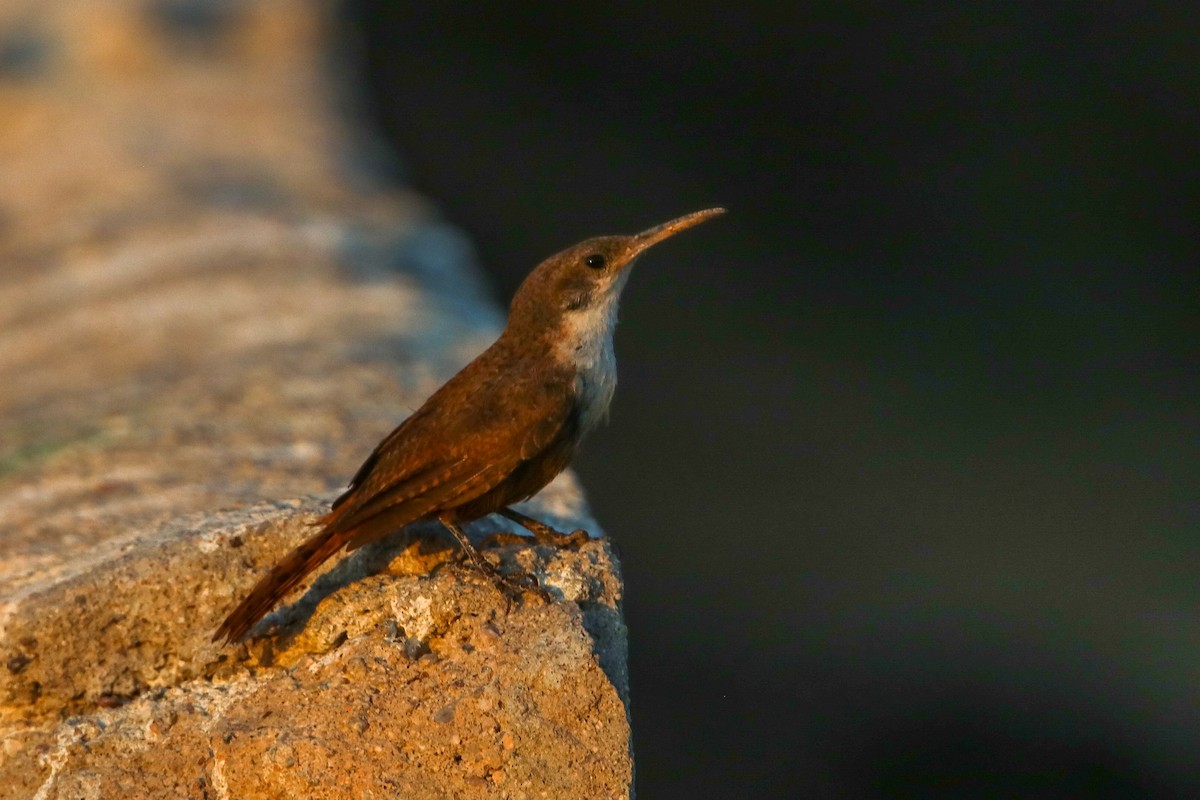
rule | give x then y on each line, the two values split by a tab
503	540
513	586
575	539
516	586
572	541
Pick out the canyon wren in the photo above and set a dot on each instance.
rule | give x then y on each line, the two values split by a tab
495	433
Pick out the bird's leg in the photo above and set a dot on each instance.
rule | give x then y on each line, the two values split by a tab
505	583
542	532
468	549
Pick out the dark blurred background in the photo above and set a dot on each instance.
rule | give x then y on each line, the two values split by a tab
903	460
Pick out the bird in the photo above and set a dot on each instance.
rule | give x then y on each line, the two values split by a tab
497	432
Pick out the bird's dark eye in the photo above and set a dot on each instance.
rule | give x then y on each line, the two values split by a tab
595	261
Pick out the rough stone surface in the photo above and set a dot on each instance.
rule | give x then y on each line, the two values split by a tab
208	315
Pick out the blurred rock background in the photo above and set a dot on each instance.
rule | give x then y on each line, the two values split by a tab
212	305
903	459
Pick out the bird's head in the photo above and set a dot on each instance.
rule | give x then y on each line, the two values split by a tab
574	293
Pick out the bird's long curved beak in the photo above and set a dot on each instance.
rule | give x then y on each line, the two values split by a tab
651	237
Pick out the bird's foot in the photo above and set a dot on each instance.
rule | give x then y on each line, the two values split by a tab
513	585
503	540
570	541
574	540
542	533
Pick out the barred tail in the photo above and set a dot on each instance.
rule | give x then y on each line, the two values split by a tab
282	578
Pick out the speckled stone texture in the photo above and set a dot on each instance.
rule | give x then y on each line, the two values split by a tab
210	311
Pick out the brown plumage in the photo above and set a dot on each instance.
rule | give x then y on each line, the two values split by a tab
495	433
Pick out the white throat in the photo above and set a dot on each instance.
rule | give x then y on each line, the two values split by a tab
586	345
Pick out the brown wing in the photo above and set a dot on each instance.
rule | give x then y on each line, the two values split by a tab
463	443
466	440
